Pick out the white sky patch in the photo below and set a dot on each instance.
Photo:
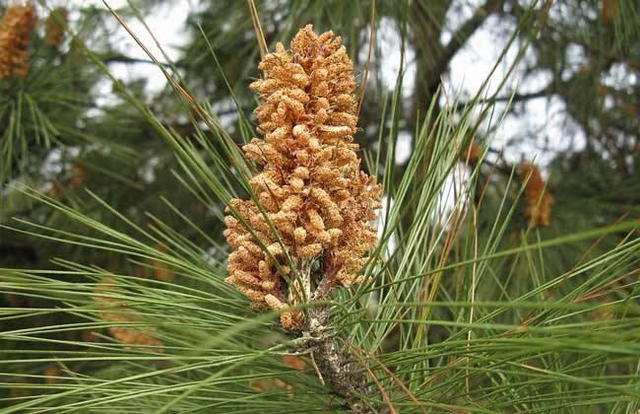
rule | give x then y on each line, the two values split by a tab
454	192
210	255
167	23
457	14
388	41
382	214
52	163
575	57
471	66
147	170
539	129
403	147
620	77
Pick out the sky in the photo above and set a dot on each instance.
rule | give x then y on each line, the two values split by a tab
167	22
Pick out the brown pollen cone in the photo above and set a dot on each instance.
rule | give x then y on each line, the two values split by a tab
311	185
116	311
52	372
537	198
15	37
473	152
161	270
54	26
610	11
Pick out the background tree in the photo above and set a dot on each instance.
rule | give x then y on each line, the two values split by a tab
491	288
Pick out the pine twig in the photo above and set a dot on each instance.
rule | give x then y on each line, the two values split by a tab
331	361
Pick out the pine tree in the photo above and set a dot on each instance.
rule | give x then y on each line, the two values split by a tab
250	240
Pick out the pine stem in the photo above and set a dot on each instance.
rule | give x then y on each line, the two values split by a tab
332	361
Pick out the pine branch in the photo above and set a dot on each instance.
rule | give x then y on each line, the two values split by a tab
461	36
331	359
464	33
517	97
118	58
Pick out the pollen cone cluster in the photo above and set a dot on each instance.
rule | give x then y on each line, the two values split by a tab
610	11
15	36
473	152
54	26
537	198
161	270
311	185
117	312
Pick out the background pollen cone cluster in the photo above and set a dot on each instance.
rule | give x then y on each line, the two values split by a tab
54	26
117	312
311	185
537	198
15	37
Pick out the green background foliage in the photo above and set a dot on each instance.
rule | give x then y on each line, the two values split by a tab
465	308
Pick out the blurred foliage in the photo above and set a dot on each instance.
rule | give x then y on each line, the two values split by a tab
123	194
